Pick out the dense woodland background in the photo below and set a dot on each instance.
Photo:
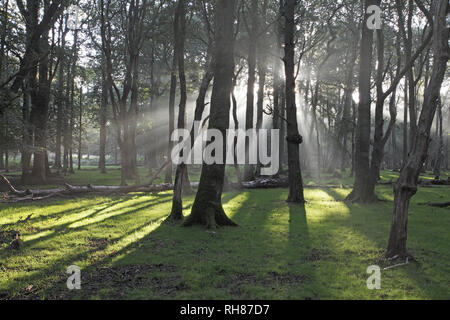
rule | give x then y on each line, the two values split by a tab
107	84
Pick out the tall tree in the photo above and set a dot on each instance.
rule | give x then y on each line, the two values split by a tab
406	186
294	139
369	170
103	120
124	101
252	31
60	93
180	34
360	191
36	67
172	94
4	31
207	209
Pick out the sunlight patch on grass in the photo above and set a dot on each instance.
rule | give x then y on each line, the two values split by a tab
133	237
233	205
317	195
318	212
37	235
279	250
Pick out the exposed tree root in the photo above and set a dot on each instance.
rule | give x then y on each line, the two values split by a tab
354	197
215	217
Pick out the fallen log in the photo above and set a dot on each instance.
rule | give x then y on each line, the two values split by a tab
11	187
386	182
439	204
70	190
117	189
31	198
264	183
435	182
35	195
441	182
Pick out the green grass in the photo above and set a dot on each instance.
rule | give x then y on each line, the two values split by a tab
279	251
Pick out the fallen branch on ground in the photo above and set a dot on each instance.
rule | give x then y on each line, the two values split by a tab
11	187
397	265
437	204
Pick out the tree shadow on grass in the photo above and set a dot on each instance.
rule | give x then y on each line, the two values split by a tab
372	222
65	228
262	258
160	255
44	217
97	254
275	253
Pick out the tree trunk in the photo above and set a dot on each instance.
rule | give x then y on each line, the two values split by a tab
315	125
440	140
406	186
260	103
411	81
180	32
103	120
39	115
172	93
249	173
236	126
80	128
3	137
277	90
294	139
348	100
207	209
154	94
361	191
405	122
60	96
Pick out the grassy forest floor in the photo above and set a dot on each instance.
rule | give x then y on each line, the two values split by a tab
280	251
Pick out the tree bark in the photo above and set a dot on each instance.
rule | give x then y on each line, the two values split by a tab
80	128
348	100
180	31
207	209
39	113
294	139
103	120
406	186
60	95
172	93
440	143
252	31
360	191
405	122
